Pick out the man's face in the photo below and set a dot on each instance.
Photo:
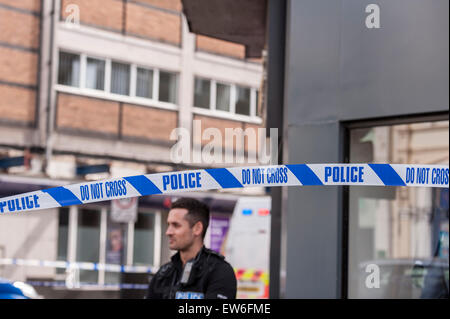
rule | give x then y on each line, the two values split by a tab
181	234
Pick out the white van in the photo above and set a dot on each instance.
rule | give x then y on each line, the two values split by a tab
247	246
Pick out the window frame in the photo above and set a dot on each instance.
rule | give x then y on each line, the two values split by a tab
211	102
252	103
230	100
129	80
346	127
129	249
59	68
231	114
106	93
134	70
177	83
84	64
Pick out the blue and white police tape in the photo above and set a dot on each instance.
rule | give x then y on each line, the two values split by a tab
236	177
77	265
36	283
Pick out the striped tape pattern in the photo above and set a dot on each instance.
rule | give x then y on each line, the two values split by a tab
77	265
36	283
236	177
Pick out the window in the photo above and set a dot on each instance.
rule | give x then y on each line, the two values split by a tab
202	93
144	239
116	243
111	78
400	231
63	236
257	104
223	97
120	78
168	87
242	100
97	238
95	74
215	96
144	83
69	69
88	241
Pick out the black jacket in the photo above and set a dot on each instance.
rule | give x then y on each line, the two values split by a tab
211	277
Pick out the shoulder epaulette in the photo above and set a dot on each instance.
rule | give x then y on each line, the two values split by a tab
165	269
214	253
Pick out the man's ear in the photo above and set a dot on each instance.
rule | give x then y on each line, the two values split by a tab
198	228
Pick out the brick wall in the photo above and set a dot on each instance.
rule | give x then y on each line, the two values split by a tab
148	123
158	20
89	115
18	66
78	114
216	46
154	24
19	28
174	5
252	146
221	124
19	60
155	20
104	14
31	5
17	104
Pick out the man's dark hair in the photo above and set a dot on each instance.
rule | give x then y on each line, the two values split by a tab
197	212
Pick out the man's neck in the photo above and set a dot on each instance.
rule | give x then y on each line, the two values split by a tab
190	253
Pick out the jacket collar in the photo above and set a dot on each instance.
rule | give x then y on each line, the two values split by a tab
176	259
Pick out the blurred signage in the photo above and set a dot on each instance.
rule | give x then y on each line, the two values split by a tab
219	228
124	210
115	245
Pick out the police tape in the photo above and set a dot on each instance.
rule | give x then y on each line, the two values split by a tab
235	177
81	285
242	275
78	265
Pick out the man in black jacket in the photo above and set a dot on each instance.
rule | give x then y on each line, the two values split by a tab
194	272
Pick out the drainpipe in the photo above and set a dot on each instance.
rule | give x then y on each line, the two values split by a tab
50	110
